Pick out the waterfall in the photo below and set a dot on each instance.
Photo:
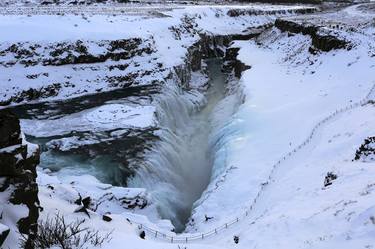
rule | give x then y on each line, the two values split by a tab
178	169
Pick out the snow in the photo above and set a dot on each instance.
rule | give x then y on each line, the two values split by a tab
43	29
10	149
60	28
109	27
107	199
305	212
3	228
287	92
11	214
106	117
278	102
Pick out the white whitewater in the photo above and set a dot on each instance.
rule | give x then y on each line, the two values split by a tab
178	171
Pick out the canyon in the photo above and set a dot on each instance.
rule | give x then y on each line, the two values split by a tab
175	122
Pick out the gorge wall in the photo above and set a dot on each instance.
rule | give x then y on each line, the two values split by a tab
18	189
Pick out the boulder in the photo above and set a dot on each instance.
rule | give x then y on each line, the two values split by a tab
106	218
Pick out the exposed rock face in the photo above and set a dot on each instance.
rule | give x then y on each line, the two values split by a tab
80	55
256	12
63	53
9	130
323	42
214	46
18	160
208	46
182	74
232	63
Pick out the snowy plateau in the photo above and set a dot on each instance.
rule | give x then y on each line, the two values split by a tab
187	125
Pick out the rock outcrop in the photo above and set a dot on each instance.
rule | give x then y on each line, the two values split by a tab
232	63
258	12
320	41
215	46
366	152
18	188
76	56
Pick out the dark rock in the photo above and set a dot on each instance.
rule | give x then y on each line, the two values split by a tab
9	160
313	50
4	231
107	218
239	68
35	93
329	178
18	163
9	129
86	201
82	209
142	234
79	200
366	152
77	53
232	63
245	36
136	202
319	41
213	46
328	42
195	57
183	73
64	53
254	12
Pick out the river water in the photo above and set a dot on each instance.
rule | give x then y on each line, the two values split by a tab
180	169
198	161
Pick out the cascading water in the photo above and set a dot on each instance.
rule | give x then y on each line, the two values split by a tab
176	166
178	170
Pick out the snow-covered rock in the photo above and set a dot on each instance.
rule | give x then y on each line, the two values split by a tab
18	190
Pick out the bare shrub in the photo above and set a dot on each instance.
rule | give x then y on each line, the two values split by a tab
55	232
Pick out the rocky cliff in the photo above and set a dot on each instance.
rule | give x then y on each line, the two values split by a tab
19	211
320	40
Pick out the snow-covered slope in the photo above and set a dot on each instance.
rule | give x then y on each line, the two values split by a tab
288	91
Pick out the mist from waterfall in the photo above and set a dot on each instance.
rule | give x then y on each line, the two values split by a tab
178	170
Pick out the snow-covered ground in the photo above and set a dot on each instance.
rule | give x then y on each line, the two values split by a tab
49	31
286	93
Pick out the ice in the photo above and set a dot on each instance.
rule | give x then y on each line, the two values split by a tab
106	117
